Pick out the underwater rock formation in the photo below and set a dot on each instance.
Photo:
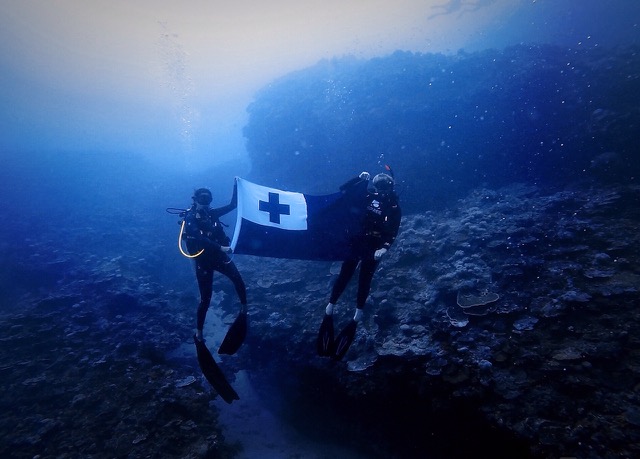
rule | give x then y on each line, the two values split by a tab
550	368
543	114
553	346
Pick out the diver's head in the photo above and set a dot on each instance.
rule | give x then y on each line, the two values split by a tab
383	183
202	197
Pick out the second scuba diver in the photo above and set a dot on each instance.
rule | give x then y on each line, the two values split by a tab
379	213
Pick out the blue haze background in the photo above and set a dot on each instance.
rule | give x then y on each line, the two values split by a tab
171	80
87	87
114	110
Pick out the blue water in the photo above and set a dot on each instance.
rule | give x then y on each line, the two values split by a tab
85	225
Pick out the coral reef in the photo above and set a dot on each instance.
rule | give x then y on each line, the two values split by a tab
552	357
549	369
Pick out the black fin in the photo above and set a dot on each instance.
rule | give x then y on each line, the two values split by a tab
325	336
235	336
213	373
344	340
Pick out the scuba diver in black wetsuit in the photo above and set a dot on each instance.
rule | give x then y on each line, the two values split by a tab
380	214
208	244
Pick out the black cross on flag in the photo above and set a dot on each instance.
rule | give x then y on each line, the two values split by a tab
274	208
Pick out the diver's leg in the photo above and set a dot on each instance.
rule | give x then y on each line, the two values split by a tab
347	335
346	272
230	270
238	331
367	269
204	275
325	342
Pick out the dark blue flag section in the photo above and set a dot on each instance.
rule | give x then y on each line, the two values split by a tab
284	224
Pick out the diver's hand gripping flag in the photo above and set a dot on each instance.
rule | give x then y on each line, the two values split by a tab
284	224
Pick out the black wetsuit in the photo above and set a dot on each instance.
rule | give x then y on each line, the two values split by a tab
380	220
203	230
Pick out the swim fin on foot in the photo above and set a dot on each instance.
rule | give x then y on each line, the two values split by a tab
325	336
213	373
235	336
344	340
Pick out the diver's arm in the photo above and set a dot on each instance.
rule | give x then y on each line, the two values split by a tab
220	211
354	182
392	226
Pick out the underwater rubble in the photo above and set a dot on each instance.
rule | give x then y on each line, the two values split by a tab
506	324
86	369
520	301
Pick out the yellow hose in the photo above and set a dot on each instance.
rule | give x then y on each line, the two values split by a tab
180	244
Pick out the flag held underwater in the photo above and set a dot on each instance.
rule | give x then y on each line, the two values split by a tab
285	224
